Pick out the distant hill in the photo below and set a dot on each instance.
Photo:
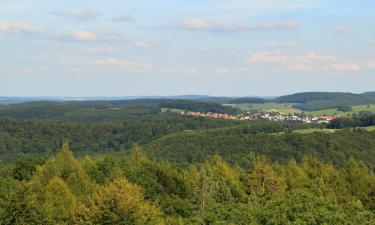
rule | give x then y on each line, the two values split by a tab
369	94
234	144
199	106
251	100
311	101
18	100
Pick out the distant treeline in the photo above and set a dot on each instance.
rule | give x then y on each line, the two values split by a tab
248	100
81	111
355	121
198	106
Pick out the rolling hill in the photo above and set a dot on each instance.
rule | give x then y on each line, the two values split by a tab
313	101
235	145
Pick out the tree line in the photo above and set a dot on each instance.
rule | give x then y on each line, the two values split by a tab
354	121
198	106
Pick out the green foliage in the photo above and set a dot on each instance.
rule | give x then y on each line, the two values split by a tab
247	100
122	203
235	144
345	109
313	101
25	167
306	208
355	121
43	137
59	203
263	180
131	189
198	106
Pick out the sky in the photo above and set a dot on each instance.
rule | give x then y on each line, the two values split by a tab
176	47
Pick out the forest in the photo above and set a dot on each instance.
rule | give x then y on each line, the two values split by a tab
354	121
130	162
199	106
132	189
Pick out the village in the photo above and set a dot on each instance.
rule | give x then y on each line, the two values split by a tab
272	116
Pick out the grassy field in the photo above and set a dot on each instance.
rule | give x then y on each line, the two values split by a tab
288	108
356	109
371	128
309	131
274	107
172	110
312	130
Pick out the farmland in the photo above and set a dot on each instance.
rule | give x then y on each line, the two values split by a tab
287	108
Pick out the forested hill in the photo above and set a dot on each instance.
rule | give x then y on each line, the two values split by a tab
198	106
311	101
247	100
370	94
307	101
93	111
43	137
234	145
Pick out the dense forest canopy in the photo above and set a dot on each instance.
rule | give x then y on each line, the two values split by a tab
135	190
355	121
38	137
235	144
198	106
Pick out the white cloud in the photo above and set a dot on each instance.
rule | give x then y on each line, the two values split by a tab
145	43
24	70
124	18
98	35
127	64
181	70
79	14
204	49
222	71
346	67
16	28
101	51
279	25
343	30
221	50
281	45
199	24
310	62
81	35
278	57
371	42
369	64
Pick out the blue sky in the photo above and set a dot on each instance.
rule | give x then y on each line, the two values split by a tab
172	47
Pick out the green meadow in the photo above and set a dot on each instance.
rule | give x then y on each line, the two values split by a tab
288	108
274	107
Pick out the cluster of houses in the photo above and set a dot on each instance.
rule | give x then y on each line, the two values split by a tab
272	116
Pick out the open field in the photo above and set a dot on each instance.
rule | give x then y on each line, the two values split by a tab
308	131
371	128
356	109
312	130
288	108
274	107
172	110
